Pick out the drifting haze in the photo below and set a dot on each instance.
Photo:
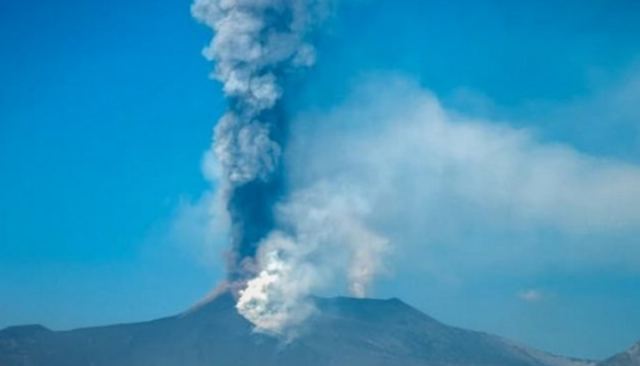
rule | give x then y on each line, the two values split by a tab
433	177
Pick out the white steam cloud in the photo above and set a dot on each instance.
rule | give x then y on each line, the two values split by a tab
329	242
460	196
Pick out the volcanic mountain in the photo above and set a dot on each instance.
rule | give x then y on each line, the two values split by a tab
344	331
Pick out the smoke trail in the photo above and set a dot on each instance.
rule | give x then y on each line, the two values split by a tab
255	44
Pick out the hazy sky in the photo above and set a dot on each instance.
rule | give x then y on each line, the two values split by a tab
106	111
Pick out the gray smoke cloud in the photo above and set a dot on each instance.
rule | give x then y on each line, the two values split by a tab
254	41
285	245
255	46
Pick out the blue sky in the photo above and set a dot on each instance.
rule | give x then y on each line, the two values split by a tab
106	111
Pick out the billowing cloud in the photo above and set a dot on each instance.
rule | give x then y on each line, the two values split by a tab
327	244
456	193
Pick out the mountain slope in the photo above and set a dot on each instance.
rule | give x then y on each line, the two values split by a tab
345	331
630	357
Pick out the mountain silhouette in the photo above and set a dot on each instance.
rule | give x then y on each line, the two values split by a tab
344	331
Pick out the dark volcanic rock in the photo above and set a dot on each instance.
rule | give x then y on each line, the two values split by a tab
345	331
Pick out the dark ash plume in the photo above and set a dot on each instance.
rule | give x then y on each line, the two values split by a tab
255	44
320	235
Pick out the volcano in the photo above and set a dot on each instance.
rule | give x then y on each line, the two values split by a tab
343	331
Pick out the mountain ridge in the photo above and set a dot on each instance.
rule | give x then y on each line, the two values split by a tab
343	331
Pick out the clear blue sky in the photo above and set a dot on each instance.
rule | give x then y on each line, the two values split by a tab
106	110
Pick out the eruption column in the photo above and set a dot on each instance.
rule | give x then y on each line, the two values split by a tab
255	44
322	235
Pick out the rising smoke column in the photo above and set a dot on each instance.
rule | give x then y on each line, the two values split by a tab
285	245
255	44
